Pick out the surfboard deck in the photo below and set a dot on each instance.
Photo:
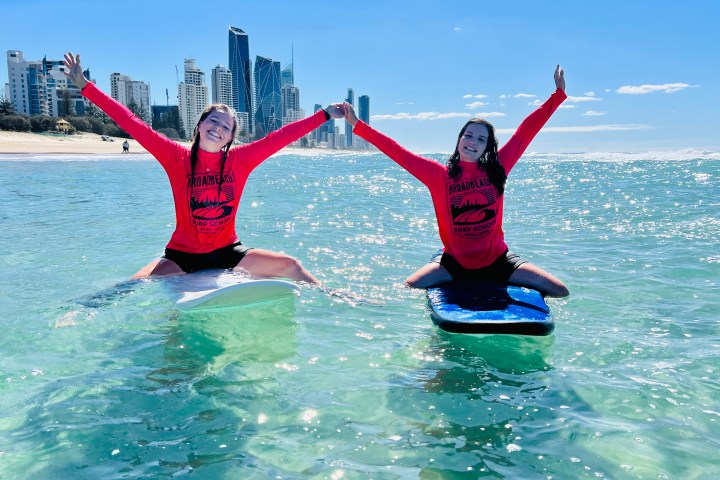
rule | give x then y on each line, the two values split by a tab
214	290
470	307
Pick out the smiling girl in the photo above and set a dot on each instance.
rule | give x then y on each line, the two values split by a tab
467	194
207	182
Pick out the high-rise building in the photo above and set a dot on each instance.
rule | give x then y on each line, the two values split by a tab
364	115
268	101
192	97
325	133
40	87
291	104
127	91
348	128
364	108
287	76
222	85
239	65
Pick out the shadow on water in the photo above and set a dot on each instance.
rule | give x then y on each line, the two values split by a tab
168	397
468	406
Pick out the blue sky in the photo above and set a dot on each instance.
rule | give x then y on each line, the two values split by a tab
641	75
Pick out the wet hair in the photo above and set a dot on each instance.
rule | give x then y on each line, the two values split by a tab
489	159
220	107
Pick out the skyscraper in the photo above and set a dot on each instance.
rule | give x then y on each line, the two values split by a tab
222	85
127	91
40	87
287	77
192	97
364	108
239	65
364	115
291	104
268	101
348	128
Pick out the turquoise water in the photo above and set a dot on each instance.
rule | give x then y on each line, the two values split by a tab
321	387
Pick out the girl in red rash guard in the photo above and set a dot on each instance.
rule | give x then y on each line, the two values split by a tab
207	181
467	194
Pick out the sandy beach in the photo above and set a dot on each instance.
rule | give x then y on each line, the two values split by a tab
90	143
85	143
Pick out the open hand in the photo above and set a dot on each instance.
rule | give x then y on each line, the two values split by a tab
559	78
75	73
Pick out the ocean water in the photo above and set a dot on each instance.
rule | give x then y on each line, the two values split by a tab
322	387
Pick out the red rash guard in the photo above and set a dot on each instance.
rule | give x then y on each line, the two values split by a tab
204	219
468	210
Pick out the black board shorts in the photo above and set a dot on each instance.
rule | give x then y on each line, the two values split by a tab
498	272
222	258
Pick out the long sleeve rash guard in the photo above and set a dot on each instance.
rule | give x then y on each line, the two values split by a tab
204	217
468	209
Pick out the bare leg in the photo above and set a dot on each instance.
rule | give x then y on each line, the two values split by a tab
158	267
264	263
529	275
428	276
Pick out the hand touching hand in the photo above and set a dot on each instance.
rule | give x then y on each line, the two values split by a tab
350	114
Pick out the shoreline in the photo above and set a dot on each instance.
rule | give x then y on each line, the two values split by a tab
83	143
28	143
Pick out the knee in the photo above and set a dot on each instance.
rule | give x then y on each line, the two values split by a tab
291	265
557	290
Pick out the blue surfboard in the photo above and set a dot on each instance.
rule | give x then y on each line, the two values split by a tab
470	307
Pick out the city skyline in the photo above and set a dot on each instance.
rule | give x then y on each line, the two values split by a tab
640	78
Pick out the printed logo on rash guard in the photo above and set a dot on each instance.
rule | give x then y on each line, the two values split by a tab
210	211
472	207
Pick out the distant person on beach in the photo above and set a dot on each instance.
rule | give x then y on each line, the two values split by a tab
126	147
207	182
467	194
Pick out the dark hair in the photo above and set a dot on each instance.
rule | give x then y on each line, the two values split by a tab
196	139
489	159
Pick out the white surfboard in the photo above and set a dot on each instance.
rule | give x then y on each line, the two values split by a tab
208	290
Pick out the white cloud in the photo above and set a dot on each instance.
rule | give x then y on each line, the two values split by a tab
593	113
566	106
643	89
587	98
587	129
488	114
524	95
475	105
420	116
457	29
590	94
469	95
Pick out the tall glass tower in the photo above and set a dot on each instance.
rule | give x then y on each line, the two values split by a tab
268	100
348	128
364	115
239	66
364	108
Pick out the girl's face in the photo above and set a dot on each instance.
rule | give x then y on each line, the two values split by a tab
216	131
473	142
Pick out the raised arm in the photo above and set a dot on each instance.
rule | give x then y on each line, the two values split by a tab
158	145
510	152
256	152
424	169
